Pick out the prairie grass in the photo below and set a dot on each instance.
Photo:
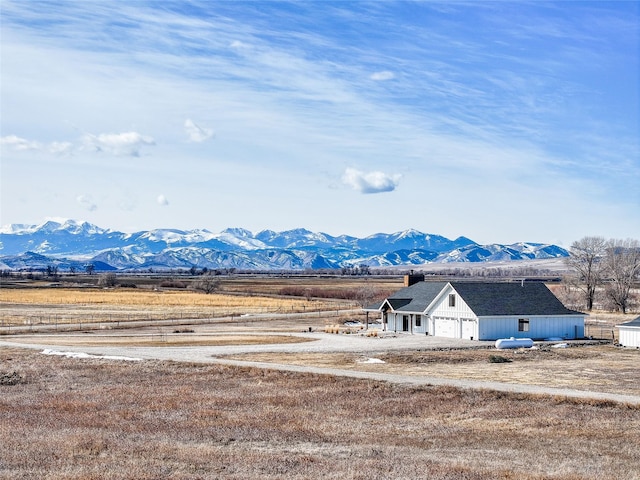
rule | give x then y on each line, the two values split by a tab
60	296
602	368
73	305
164	339
326	287
98	419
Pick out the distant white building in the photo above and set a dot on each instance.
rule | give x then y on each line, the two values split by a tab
479	311
630	333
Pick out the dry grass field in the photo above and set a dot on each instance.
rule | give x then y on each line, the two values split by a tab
65	418
593	368
161	339
324	286
78	305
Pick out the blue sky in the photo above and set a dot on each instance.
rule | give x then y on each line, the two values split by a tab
500	121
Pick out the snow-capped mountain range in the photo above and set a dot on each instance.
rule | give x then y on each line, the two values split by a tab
75	244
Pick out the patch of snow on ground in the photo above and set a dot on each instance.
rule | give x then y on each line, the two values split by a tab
86	355
371	360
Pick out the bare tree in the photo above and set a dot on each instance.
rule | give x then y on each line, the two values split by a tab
52	271
366	295
585	258
622	266
108	279
207	284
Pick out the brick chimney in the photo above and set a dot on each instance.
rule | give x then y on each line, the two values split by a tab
412	279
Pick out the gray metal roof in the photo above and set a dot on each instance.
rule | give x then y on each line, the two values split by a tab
633	323
526	298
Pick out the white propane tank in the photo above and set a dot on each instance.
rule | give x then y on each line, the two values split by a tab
513	342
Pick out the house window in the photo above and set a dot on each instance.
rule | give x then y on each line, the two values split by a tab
418	320
452	300
523	324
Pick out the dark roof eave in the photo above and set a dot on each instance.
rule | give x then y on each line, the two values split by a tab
417	312
635	323
533	315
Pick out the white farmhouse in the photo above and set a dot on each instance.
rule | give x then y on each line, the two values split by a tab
630	333
479	311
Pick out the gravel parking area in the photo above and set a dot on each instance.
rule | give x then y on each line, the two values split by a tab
320	343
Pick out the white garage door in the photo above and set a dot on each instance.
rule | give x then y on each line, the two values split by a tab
445	327
468	328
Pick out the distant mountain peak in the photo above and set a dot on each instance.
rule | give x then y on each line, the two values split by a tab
72	226
298	248
239	232
49	226
410	232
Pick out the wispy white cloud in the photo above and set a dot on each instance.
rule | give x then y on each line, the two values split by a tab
60	148
498	95
86	202
126	143
383	75
19	144
370	182
162	200
196	133
237	44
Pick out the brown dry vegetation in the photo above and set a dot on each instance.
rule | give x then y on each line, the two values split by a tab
97	419
338	287
604	369
72	305
162	339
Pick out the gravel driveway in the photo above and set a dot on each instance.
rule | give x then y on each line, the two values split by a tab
327	343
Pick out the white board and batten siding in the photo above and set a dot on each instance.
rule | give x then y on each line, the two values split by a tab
629	337
419	324
566	327
449	315
629	334
415	323
453	318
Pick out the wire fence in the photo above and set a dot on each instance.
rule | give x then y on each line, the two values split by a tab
53	322
78	320
601	331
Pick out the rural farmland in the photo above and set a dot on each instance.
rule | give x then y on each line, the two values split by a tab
73	302
300	240
274	396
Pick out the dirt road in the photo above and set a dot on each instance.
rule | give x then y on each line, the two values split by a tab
325	343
